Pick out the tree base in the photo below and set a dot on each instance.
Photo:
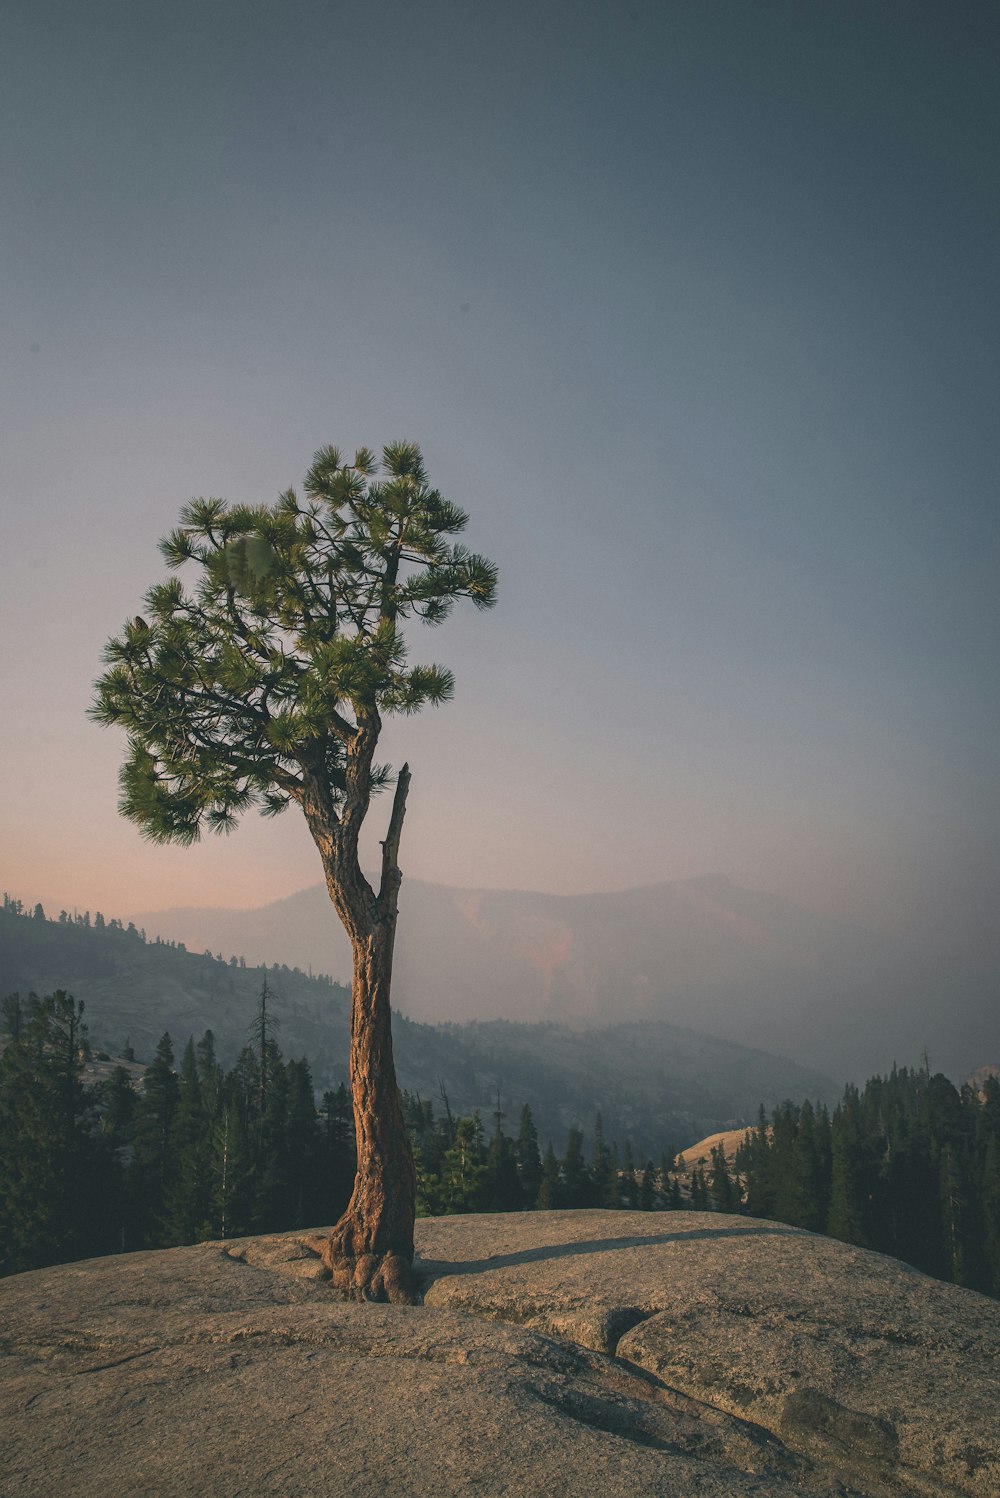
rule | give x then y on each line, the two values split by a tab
385	1278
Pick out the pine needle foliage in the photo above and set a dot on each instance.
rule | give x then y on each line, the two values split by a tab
272	672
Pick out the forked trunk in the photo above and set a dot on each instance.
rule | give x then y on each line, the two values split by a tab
370	1251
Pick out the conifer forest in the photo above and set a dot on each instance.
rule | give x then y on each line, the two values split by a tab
182	1151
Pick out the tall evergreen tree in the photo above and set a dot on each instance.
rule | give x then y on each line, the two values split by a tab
600	1167
58	1177
575	1175
504	1187
851	1174
464	1172
152	1169
629	1184
721	1189
551	1195
186	1206
529	1161
268	685
231	1173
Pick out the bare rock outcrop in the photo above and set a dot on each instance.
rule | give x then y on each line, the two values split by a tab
557	1353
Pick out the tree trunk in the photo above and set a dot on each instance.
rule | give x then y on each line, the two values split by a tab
370	1251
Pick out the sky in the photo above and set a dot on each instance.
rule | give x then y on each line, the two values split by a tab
693	307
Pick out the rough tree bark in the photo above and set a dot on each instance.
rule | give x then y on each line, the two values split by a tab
370	1250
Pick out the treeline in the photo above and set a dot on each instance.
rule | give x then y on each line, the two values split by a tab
461	1169
197	1154
909	1165
11	905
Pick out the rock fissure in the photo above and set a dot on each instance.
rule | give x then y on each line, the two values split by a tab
129	1357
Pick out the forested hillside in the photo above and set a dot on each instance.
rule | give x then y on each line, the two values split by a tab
91	1163
908	1164
653	1082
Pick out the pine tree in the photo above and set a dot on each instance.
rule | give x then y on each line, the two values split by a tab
504	1187
699	1190
231	1175
116	1098
58	1177
464	1174
268	685
186	1207
600	1166
850	1182
613	1189
576	1178
529	1161
629	1188
309	1196
339	1153
13	1013
991	1213
550	1191
720	1188
151	1172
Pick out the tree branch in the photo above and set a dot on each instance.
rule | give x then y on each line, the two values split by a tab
391	876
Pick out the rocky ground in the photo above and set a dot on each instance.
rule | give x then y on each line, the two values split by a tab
562	1353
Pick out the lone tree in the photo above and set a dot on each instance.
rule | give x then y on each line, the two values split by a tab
267	684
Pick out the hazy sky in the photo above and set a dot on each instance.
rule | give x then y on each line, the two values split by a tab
693	306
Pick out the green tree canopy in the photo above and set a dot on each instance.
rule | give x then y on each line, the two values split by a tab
270	675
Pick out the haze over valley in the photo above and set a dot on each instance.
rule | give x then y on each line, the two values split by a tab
736	963
657	1084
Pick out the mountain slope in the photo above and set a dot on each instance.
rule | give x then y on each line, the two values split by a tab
658	1084
740	964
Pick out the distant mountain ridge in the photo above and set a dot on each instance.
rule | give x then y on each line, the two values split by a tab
655	1083
707	953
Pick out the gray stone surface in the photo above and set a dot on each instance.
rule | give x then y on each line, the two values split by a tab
556	1353
864	1364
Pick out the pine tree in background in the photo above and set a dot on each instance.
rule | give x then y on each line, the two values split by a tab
851	1174
991	1213
153	1168
13	1013
577	1189
529	1161
504	1187
309	1195
268	685
721	1189
231	1174
551	1196
613	1189
186	1206
464	1173
600	1167
699	1190
629	1185
338	1148
210	1075
753	1162
59	1183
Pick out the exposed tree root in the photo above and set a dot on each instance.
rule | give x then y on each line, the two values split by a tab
382	1277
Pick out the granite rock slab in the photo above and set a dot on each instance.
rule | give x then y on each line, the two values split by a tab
558	1353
